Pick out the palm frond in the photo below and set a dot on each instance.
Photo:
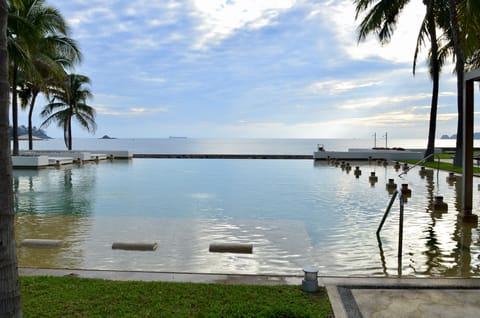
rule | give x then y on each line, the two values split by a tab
422	34
381	19
68	102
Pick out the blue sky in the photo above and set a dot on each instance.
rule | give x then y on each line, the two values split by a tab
245	68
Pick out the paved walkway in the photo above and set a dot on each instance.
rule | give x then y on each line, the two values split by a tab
349	296
406	297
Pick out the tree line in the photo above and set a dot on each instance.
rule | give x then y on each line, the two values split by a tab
449	29
23	131
41	55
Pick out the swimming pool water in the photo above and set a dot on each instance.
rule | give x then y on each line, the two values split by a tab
295	212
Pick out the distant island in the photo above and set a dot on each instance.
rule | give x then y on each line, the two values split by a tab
36	132
107	137
454	136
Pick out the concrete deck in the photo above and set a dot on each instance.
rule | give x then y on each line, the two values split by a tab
368	154
405	297
57	161
349	296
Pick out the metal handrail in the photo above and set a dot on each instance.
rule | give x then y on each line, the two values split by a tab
416	164
400	226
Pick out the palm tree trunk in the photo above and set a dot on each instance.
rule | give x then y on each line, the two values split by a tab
30	124
435	73
10	302
433	119
15	110
67	133
460	66
70	133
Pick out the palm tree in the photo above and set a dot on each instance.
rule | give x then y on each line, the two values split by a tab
473	61
50	56
10	287
19	32
382	18
70	101
469	16
464	34
428	28
459	68
29	21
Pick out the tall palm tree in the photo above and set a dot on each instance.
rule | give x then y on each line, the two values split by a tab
459	68
28	22
10	287
382	19
464	34
50	56
19	33
428	29
70	102
469	19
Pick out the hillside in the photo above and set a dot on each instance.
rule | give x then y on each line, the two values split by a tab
475	136
37	132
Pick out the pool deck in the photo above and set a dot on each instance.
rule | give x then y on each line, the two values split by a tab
44	158
349	296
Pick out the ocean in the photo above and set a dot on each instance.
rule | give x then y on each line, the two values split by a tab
276	146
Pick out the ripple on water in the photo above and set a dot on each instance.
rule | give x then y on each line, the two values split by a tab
293	212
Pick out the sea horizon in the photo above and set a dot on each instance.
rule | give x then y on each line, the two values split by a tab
194	145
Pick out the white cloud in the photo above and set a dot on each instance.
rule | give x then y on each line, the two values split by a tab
134	111
390	101
405	119
334	87
371	102
150	79
92	14
219	19
341	16
114	105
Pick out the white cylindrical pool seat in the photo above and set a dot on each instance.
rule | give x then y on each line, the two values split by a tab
231	248
41	243
134	246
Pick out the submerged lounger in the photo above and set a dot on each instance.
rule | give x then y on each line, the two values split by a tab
41	243
231	248
134	246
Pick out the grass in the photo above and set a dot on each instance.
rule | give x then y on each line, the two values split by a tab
446	166
81	297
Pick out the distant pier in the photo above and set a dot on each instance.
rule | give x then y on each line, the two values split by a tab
222	156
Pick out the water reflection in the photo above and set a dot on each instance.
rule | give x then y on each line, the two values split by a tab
433	252
53	204
67	191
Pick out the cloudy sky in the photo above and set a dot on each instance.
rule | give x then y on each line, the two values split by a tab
250	68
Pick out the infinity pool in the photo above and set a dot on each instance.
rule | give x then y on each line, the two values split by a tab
294	212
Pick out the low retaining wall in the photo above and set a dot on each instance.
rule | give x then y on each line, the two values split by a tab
221	156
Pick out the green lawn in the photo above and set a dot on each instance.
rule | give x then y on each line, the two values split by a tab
446	166
80	297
